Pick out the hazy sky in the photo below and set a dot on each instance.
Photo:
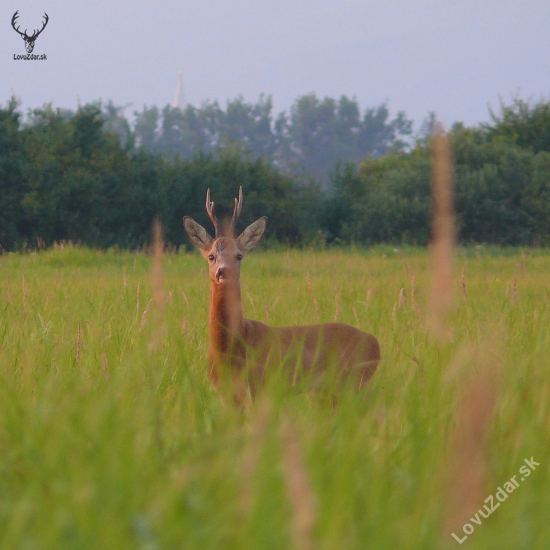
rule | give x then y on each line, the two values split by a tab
452	57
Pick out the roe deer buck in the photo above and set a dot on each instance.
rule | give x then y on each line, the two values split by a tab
243	351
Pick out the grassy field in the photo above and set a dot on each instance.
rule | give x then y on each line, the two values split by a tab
112	438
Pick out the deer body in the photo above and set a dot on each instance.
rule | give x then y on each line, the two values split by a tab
244	351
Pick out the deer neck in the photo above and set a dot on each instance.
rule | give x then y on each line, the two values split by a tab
226	317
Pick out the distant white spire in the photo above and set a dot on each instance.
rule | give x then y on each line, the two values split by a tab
179	99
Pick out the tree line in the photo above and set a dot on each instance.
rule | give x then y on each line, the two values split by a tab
89	176
501	183
64	176
312	136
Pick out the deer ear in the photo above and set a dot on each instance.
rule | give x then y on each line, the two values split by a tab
252	235
197	233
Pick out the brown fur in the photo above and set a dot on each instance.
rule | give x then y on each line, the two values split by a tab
243	352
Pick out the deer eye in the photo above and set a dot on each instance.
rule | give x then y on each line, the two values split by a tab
211	258
239	257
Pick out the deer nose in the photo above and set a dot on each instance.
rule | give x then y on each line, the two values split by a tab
221	273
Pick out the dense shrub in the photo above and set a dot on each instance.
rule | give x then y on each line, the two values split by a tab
502	194
68	176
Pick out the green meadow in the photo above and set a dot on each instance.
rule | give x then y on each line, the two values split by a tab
111	436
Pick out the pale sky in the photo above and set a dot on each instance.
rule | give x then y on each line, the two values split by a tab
452	57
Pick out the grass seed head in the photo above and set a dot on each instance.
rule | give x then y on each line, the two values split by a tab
443	238
299	489
465	474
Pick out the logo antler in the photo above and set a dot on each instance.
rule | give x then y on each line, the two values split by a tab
29	40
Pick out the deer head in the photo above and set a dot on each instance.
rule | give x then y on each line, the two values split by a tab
29	40
224	252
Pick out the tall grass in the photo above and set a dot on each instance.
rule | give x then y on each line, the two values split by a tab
111	436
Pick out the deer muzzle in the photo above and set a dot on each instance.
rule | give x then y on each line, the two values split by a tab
221	274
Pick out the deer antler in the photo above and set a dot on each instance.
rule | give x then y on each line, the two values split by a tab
24	34
36	33
13	19
234	217
211	215
29	40
237	210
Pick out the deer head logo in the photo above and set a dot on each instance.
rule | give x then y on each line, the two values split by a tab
29	40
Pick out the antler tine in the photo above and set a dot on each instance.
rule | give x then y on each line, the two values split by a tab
211	215
238	208
45	22
13	21
37	32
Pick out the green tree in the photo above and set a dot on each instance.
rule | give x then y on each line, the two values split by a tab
146	127
12	182
324	132
250	125
501	192
316	134
378	133
172	140
523	123
116	122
